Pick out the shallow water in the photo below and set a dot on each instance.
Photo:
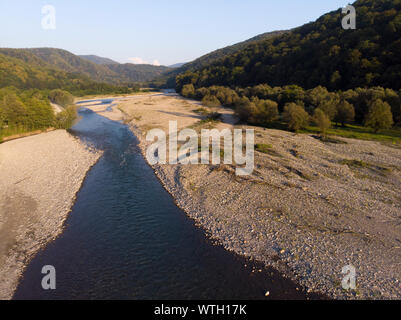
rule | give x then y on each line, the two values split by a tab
126	239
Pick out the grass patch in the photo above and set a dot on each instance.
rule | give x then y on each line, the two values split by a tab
392	136
358	164
16	131
354	163
263	148
267	149
202	111
329	139
209	122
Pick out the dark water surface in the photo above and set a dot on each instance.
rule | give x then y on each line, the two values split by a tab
126	239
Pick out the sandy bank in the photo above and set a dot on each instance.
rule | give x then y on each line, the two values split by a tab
39	178
309	209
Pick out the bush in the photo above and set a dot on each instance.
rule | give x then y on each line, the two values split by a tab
322	120
267	112
245	109
211	102
188	91
66	118
379	116
61	97
295	116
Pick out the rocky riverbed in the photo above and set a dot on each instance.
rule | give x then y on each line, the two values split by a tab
39	178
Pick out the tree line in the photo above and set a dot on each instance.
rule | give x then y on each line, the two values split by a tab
377	107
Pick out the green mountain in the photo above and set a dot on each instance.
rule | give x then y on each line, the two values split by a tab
63	60
317	53
168	79
97	59
137	72
29	72
176	65
224	52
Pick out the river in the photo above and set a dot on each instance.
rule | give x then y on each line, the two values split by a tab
126	239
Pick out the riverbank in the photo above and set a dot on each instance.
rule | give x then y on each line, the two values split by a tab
309	209
39	178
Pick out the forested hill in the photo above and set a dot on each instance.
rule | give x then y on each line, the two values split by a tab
221	53
138	72
97	59
317	53
63	60
214	56
30	73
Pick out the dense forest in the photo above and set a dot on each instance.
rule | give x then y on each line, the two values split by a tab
318	53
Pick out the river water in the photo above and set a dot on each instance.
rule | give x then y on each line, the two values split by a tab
126	239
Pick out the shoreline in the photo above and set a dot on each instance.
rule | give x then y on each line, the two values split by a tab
41	176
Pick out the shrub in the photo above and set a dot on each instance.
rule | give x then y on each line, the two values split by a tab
61	97
245	109
322	120
188	91
211	101
66	118
295	116
379	116
267	112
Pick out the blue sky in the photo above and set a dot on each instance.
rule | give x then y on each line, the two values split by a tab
166	32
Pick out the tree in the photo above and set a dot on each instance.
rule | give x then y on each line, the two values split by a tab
295	116
345	113
322	120
66	118
379	115
15	112
61	97
245	109
267	111
211	101
188	91
2	115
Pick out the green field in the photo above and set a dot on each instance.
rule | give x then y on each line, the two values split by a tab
392	136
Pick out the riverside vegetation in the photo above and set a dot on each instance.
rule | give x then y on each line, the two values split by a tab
30	110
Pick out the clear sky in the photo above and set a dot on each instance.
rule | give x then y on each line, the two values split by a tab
168	31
